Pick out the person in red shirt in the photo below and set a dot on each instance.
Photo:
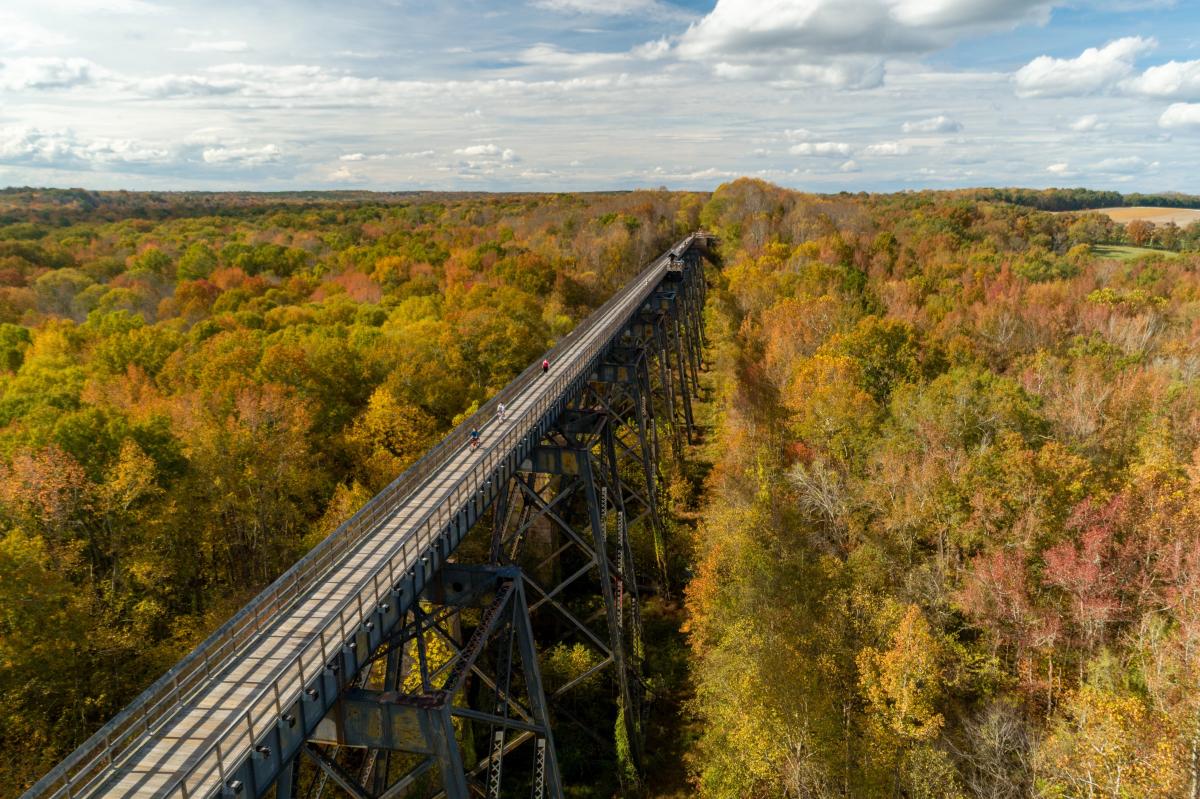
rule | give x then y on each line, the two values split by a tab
545	366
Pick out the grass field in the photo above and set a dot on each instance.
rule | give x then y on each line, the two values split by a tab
1157	215
1124	252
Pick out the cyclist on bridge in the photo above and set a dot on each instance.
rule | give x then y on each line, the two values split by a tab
500	411
474	438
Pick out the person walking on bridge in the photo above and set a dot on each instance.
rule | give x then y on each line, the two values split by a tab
545	365
500	411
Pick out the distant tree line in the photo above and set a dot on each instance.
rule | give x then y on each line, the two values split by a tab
1081	199
65	207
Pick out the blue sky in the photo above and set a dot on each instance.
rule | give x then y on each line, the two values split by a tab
823	95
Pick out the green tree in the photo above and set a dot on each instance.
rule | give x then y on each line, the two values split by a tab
14	341
197	262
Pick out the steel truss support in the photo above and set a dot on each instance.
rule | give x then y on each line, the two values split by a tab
460	712
622	391
668	328
449	701
571	540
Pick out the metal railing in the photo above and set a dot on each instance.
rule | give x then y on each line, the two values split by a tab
80	771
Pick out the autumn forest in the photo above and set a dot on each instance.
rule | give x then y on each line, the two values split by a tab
939	536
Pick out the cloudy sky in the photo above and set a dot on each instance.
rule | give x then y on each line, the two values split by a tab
592	94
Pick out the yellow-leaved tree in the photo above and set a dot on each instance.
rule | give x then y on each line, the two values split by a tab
388	436
1111	744
902	683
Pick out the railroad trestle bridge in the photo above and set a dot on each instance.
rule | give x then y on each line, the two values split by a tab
401	656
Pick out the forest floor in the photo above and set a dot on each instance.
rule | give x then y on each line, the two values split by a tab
670	727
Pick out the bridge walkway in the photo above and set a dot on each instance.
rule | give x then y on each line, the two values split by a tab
191	748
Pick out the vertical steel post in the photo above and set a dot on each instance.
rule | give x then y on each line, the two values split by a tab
626	566
691	305
500	511
287	785
454	778
503	685
617	645
546	759
662	352
684	393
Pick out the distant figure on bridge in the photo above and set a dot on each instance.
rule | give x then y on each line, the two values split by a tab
474	438
500	410
545	366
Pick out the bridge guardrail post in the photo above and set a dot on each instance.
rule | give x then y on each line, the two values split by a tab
221	765
250	727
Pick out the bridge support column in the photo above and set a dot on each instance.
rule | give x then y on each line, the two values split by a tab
583	501
667	320
694	309
622	389
454	706
628	721
662	352
287	786
684	381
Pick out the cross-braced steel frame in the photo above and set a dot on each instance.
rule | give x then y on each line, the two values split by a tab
453	703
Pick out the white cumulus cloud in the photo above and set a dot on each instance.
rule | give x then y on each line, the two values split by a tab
479	149
19	74
839	42
1094	70
549	55
66	149
842	73
937	124
344	174
1181	115
1088	122
1126	165
887	148
1176	80
241	155
186	86
489	151
822	148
